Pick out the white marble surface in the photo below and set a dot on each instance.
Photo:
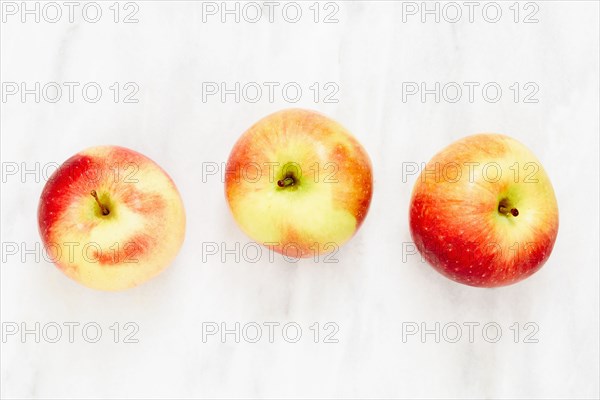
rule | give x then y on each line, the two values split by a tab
370	294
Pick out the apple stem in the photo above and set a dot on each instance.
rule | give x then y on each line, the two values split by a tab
505	210
103	208
285	182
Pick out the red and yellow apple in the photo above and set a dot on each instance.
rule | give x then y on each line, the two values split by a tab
483	211
299	183
111	218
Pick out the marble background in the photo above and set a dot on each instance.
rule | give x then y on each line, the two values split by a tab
375	291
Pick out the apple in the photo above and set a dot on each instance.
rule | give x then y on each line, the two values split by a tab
483	211
299	183
110	218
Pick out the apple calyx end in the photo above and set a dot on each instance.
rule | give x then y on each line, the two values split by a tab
289	181
506	209
103	209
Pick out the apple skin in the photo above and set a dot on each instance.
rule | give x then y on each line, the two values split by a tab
456	223
140	236
332	187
